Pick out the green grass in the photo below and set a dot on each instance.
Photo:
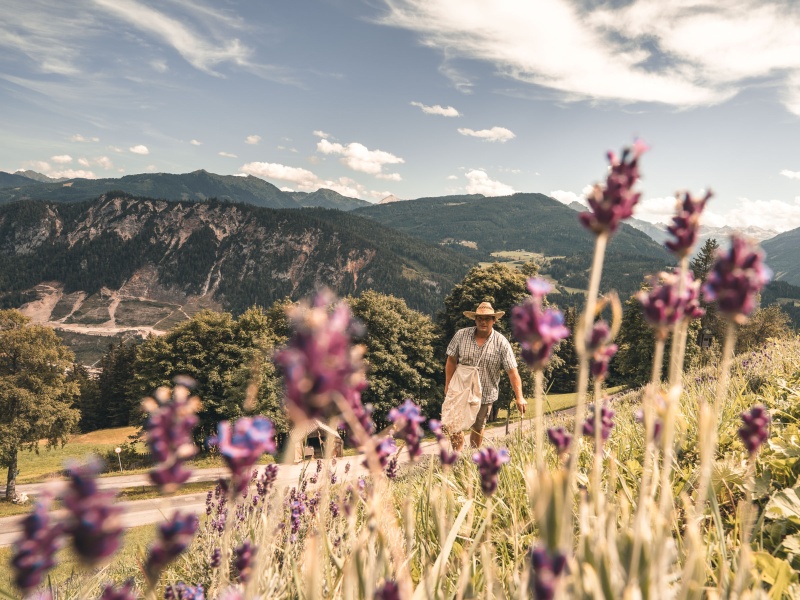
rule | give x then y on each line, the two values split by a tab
552	403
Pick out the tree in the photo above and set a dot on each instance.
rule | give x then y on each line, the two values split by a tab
400	355
88	400
35	396
228	358
564	377
114	383
764	323
701	266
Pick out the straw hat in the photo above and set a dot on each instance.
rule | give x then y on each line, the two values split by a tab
484	310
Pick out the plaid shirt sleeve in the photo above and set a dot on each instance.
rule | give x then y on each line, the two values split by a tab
455	344
509	361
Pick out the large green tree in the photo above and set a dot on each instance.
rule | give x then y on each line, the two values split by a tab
763	324
400	354
701	266
36	397
113	408
228	358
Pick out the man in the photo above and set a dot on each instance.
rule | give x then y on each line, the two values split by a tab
466	348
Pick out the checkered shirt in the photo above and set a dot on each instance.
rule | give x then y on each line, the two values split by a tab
497	357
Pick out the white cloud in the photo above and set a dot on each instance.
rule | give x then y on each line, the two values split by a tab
437	110
71	174
656	210
227	155
61	159
566	197
115	149
791	174
358	157
389	176
83	162
79	138
140	149
682	53
104	162
252	139
777	215
305	180
495	134
452	177
196	143
478	182
159	65
38	165
151	168
321	134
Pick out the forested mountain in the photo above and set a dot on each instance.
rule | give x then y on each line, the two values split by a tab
15	180
783	256
90	260
325	198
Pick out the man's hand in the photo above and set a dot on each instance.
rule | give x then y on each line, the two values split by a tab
522	404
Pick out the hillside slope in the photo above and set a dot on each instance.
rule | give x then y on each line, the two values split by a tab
783	256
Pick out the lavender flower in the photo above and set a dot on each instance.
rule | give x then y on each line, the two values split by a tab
93	520
216	558
408	421
242	445
546	568
244	560
559	437
489	462
755	430
602	349
737	277
606	423
174	536
320	362
388	591
391	468
685	224
182	591
537	330
614	202
124	592
446	457
169	435
664	305
268	477
383	449
34	553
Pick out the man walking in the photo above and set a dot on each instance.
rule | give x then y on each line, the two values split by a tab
491	352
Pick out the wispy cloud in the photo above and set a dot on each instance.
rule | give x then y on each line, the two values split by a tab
478	182
61	159
227	155
140	149
196	143
306	181
436	109
322	134
358	157
495	134
252	139
79	138
790	174
104	162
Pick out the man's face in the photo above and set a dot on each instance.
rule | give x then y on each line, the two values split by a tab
484	324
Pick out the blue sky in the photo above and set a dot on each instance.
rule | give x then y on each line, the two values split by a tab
415	97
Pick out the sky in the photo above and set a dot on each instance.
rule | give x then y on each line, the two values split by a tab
415	98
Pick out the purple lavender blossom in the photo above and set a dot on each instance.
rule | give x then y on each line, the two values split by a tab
34	553
559	437
169	435
242	445
606	422
388	591
602	349
664	305
267	480
383	449
446	457
320	363
686	224
391	468
93	520
183	591
489	462
334	508
614	202
216	558
244	560
755	429
408	420
174	536
536	329
124	592
736	279
546	568
639	418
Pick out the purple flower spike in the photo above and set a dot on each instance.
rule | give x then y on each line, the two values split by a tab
34	553
686	224
320	362
546	568
606	423
244	560
408	421
664	306
614	202
124	592
388	591
755	430
169	435
602	350
489	462
446	457
384	449
737	277
560	439
242	445
536	329
182	591
174	537
93	520
391	468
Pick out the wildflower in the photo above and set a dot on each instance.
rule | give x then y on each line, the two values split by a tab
334	508
546	568
736	279
124	592
388	591
182	591
537	330
446	457
244	560
320	363
268	477
383	450
559	437
606	423
489	462
664	305
216	558
174	536
391	468
93	520
242	445
601	349
408	420
34	553
685	224
169	429
612	203
755	430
